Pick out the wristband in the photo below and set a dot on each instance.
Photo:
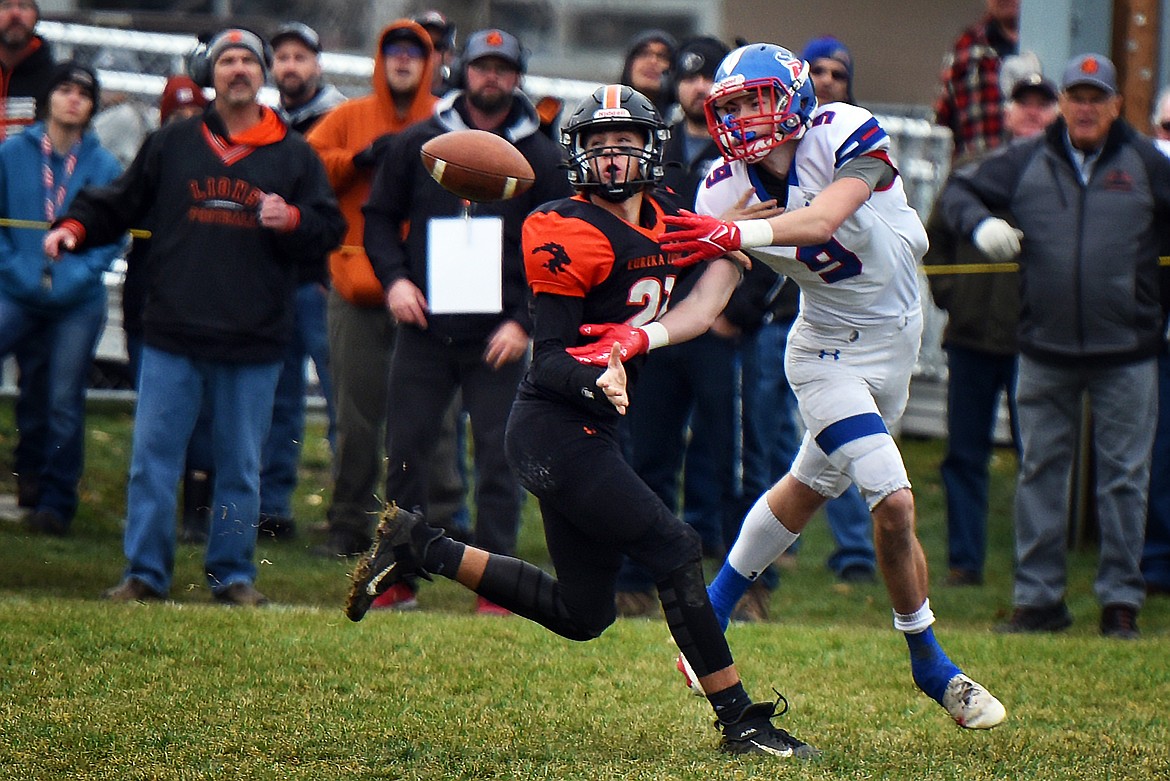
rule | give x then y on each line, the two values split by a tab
755	233
656	335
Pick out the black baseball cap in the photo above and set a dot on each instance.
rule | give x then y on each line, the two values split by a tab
301	32
439	26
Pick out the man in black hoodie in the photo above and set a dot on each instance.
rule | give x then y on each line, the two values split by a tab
235	202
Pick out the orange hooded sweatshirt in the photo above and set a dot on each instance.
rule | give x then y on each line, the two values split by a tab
347	130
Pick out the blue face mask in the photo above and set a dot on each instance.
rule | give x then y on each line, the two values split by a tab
749	136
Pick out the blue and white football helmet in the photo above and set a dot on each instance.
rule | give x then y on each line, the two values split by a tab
780	91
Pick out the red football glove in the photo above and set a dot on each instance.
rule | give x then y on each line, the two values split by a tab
631	342
702	237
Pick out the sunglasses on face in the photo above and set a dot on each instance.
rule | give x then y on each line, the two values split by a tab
411	50
820	70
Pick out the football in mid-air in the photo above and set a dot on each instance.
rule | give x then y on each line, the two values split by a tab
477	165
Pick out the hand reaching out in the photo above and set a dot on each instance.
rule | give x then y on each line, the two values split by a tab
613	380
701	238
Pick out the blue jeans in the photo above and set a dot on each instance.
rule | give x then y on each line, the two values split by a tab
1156	552
976	379
69	339
199	448
771	438
32	407
282	449
172	390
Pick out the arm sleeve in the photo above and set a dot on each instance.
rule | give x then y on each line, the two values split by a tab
875	170
330	140
107	212
973	192
555	328
386	213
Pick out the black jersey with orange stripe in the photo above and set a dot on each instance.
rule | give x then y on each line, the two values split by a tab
573	247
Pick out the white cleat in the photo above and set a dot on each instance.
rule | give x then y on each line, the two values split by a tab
692	680
972	706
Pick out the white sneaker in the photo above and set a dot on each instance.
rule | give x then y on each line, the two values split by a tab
689	677
972	706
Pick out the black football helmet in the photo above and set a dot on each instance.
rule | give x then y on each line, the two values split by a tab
611	107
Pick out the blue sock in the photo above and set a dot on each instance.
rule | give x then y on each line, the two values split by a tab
930	665
725	591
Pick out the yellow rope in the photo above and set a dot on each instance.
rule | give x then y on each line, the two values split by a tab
951	268
41	225
971	268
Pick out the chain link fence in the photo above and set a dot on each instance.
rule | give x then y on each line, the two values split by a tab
133	66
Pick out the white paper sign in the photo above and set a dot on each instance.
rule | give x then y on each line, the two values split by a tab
464	265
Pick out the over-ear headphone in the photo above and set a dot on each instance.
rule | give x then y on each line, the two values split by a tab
198	60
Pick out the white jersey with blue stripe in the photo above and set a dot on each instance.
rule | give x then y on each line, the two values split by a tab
867	273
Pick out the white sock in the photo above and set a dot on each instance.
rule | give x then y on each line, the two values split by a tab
761	539
914	622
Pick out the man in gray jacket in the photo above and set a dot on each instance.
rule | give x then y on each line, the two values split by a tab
1090	203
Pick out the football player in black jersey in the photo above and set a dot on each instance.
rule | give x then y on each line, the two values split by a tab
594	259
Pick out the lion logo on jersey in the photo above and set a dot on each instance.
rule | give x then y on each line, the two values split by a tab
559	258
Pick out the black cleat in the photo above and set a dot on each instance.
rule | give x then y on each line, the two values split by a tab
396	555
754	733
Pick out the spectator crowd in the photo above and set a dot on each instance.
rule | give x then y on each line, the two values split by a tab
308	231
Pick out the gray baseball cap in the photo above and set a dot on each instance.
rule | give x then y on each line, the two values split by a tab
1093	70
494	43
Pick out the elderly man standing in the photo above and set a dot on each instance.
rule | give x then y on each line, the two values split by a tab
1090	203
235	202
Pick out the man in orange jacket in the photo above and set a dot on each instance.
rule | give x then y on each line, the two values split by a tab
350	140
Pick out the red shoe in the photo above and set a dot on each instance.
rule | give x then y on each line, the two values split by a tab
485	607
400	596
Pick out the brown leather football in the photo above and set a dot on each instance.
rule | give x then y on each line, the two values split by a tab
477	165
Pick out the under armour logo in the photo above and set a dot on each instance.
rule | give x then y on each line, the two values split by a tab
834	354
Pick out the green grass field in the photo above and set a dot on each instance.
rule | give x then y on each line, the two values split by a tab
189	690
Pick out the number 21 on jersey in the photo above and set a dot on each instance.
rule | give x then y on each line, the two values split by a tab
652	296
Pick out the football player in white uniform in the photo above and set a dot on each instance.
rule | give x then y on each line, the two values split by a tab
852	243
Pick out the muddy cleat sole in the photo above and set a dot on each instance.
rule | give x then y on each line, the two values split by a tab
754	733
972	706
395	556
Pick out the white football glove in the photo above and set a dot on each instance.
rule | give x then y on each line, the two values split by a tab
998	240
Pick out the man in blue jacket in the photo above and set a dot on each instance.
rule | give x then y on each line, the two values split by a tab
1090	203
61	307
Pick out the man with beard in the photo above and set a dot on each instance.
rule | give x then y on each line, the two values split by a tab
296	71
438	352
26	65
235	202
26	68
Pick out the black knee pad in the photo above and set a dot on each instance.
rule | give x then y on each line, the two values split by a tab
673	547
